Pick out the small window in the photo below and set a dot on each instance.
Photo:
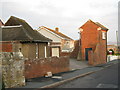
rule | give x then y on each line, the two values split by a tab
67	42
103	35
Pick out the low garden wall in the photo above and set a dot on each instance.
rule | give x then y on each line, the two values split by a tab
39	67
112	57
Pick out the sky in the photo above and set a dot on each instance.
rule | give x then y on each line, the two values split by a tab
67	15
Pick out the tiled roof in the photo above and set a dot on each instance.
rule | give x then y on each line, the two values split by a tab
98	24
16	29
58	33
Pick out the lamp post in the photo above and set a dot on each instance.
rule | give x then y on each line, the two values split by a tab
117	36
79	52
117	42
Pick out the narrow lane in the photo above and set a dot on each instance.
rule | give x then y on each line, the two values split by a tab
106	78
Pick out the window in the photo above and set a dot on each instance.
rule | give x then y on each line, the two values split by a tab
67	43
103	35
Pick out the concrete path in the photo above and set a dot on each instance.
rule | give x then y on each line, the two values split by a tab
75	64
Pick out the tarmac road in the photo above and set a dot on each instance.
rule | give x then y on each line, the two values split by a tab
106	78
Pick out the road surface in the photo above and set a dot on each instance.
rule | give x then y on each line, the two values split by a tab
106	78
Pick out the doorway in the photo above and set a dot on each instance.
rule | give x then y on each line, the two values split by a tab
86	53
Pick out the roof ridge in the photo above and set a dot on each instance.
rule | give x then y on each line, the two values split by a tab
58	33
96	23
102	26
27	31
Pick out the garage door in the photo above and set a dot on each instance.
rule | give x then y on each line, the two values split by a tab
55	52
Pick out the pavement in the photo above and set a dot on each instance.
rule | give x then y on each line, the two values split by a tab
49	82
75	64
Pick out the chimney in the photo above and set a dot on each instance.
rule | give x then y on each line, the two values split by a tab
57	29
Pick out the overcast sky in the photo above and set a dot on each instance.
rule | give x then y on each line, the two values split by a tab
68	15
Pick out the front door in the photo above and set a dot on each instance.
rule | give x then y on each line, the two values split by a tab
86	53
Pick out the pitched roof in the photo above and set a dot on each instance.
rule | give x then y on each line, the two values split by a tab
19	30
58	33
98	24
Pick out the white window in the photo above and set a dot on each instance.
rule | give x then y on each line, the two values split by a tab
103	35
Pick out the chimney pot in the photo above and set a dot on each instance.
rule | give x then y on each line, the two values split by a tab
57	29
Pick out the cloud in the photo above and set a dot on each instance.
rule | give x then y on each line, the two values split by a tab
68	15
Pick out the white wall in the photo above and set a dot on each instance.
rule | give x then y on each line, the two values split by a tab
49	35
112	57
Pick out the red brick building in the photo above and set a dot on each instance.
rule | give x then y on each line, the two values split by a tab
93	42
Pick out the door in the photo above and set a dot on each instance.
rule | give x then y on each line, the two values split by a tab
55	52
86	53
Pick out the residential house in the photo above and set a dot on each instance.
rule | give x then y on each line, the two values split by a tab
18	35
93	42
60	42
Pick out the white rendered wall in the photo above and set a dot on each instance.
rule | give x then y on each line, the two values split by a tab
49	35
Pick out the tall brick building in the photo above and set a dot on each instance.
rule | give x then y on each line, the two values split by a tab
93	42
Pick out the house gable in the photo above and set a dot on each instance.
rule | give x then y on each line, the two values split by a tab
92	24
49	34
48	30
56	32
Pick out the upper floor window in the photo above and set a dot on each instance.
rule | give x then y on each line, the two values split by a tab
67	43
103	35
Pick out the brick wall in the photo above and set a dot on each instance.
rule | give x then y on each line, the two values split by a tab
98	56
39	67
65	54
89	37
5	47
